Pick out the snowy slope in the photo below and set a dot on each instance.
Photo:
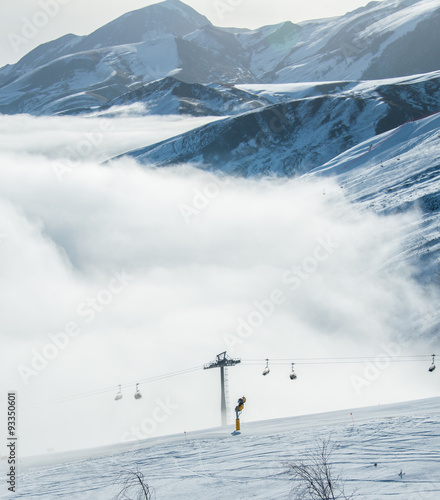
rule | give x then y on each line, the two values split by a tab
384	39
170	96
213	464
381	40
89	78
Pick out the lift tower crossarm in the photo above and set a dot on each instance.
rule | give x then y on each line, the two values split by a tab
222	361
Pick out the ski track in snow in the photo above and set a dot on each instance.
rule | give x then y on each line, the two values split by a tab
214	465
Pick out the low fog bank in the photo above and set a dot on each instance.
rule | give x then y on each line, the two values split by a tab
114	274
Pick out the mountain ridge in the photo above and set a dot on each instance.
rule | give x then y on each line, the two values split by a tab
172	38
291	136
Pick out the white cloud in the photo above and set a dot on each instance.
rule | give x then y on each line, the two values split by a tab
89	138
190	283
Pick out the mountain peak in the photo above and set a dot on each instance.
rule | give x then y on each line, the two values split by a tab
170	17
175	4
172	5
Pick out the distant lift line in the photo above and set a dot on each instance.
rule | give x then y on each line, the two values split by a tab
223	361
326	361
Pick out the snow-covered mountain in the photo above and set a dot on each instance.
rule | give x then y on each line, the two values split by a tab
384	39
303	127
89	70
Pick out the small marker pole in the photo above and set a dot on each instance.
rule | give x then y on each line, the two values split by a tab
185	436
352	417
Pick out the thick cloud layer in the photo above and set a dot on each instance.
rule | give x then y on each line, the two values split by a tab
115	273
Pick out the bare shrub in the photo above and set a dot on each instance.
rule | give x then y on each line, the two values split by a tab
316	477
134	487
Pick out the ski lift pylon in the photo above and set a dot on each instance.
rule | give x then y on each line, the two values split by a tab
266	371
293	375
432	367
119	394
137	394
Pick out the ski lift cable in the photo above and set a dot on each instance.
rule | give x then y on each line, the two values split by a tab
352	362
327	361
245	362
345	362
112	388
259	360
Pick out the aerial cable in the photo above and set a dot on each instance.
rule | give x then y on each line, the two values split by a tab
112	389
246	362
330	361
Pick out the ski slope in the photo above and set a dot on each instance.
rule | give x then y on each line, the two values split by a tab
214	464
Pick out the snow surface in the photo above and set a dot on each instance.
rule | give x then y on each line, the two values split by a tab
278	92
346	45
403	20
216	465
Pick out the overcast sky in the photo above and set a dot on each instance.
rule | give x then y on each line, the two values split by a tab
82	16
